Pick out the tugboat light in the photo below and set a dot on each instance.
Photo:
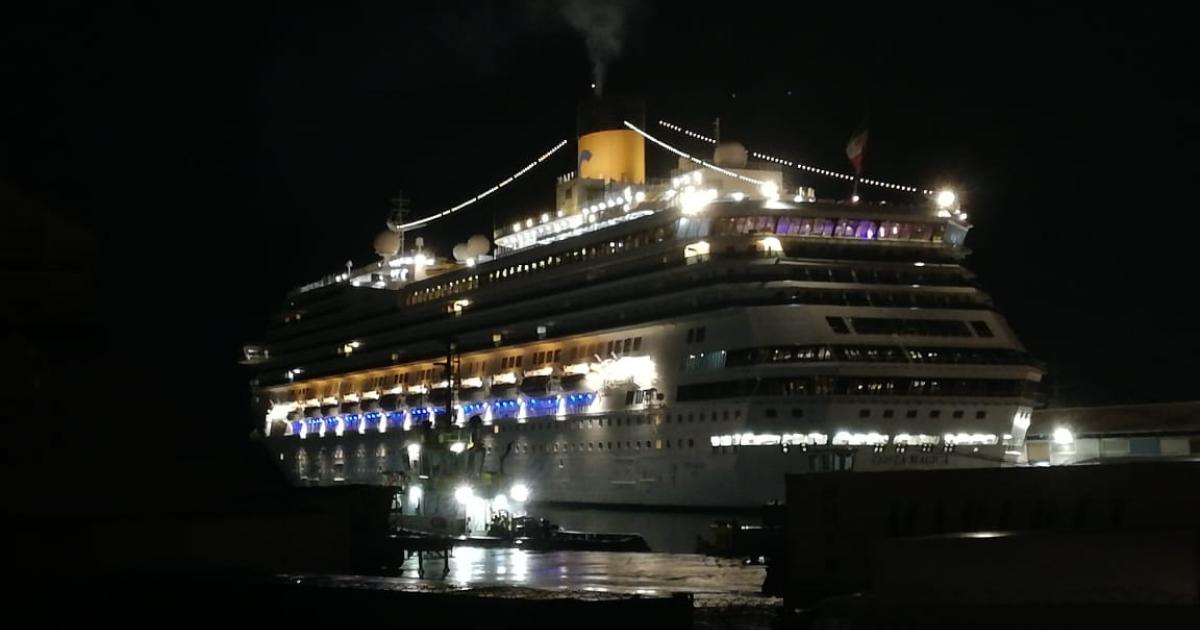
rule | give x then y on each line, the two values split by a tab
946	198
463	494
520	493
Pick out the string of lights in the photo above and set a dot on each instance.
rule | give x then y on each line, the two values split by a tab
798	165
433	217
687	132
689	157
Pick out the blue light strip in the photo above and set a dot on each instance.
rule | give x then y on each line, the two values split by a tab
580	400
548	402
539	405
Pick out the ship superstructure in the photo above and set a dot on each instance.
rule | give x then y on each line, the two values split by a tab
684	341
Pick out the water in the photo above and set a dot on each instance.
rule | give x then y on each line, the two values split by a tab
666	532
672	565
714	581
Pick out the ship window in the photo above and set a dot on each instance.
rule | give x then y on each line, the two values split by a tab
936	413
980	415
691	418
958	413
925	327
700	333
911	413
838	325
557	355
725	414
888	413
982	329
691	443
771	413
864	413
691	335
797	413
519	357
637	344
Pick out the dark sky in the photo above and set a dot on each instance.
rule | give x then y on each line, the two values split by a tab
225	154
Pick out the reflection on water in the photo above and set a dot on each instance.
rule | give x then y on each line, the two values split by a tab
714	581
668	532
672	566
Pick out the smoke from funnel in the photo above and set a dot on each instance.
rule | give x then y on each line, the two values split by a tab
602	24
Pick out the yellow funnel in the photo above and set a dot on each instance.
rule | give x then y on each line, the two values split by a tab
617	154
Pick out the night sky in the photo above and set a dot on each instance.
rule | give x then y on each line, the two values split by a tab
224	154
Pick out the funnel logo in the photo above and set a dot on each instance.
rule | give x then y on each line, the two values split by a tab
584	156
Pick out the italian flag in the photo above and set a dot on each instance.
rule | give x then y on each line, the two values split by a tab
856	147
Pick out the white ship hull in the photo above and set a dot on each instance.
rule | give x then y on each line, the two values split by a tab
682	344
642	471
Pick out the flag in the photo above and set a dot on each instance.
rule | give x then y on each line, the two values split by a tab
856	147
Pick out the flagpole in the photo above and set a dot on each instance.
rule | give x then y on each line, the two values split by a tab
856	151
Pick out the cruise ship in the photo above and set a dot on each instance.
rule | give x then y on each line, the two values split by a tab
682	341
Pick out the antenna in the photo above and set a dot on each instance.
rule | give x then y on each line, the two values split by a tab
398	216
717	129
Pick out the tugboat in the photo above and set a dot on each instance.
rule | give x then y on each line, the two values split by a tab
481	514
539	534
757	544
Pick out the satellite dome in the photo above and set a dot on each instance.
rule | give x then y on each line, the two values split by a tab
730	154
460	252
478	245
387	243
